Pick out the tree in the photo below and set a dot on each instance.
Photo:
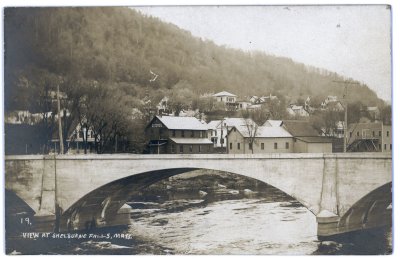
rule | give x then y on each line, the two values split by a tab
386	115
251	128
180	97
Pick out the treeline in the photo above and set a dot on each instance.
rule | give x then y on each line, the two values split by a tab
115	65
120	45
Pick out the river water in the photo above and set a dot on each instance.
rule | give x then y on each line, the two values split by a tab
213	214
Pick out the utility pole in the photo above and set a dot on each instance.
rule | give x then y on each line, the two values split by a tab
345	112
60	135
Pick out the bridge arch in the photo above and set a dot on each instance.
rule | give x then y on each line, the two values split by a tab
18	214
101	205
369	211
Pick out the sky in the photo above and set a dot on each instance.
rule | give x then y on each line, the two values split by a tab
354	41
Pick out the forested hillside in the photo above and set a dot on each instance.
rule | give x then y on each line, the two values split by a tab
119	46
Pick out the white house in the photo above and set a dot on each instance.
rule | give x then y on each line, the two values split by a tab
225	97
218	129
243	104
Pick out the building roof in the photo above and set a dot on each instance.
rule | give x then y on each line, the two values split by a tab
182	123
264	132
191	140
364	125
299	128
273	123
315	139
213	124
230	122
224	93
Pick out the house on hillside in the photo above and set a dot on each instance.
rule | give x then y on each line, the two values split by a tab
177	135
369	137
262	139
333	106
162	106
297	110
243	104
227	98
373	112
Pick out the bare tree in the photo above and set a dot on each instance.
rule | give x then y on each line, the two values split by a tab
251	127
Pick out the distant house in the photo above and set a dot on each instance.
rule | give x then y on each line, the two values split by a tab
227	98
262	139
263	99
243	104
297	110
76	140
374	112
17	117
369	137
334	106
162	106
337	132
177	135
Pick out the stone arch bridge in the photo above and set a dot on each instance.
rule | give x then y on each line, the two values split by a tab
345	191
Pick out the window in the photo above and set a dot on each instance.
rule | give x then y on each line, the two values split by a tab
380	134
287	145
208	148
180	148
385	146
192	134
191	148
373	133
380	147
351	134
201	134
222	141
275	145
387	133
230	145
358	133
199	148
173	148
250	145
215	132
262	146
390	146
173	133
182	133
238	145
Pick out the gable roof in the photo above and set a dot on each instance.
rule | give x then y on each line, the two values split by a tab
230	122
213	124
273	123
299	128
181	123
224	93
264	132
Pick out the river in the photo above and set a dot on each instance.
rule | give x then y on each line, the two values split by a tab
213	214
